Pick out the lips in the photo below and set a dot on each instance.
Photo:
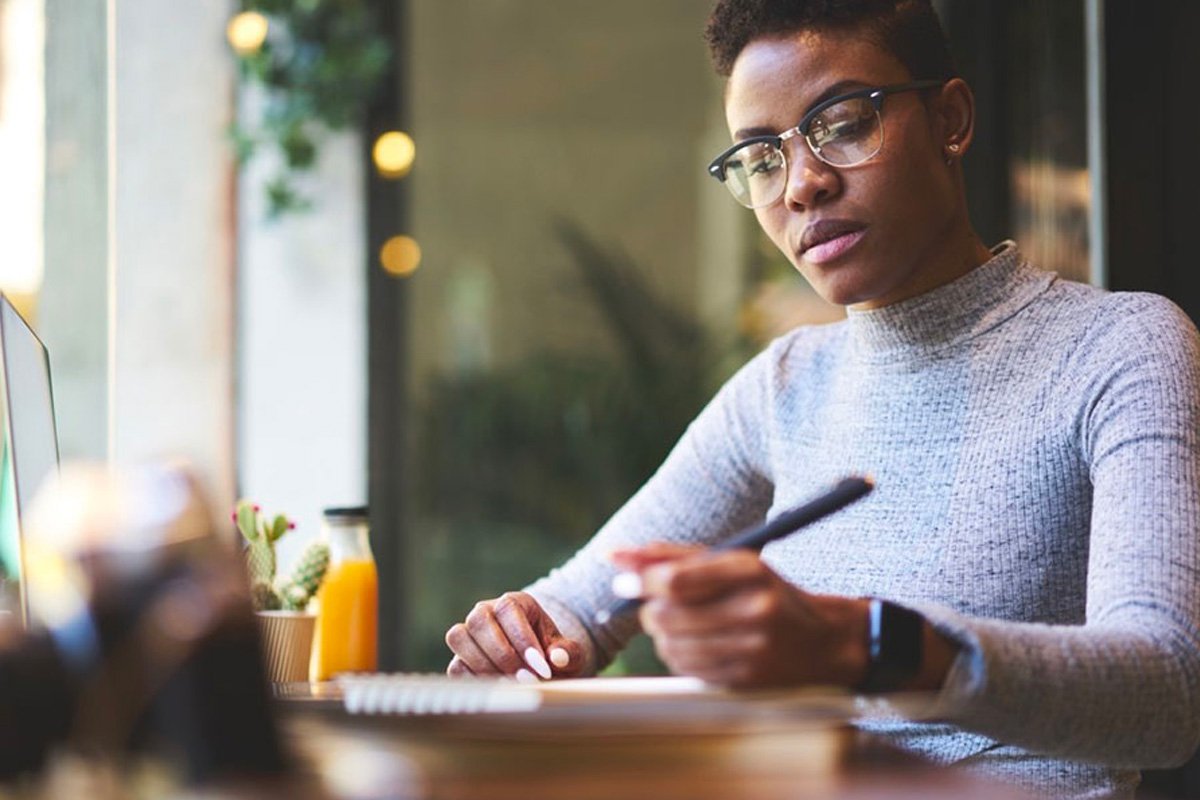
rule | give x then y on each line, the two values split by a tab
824	230
827	240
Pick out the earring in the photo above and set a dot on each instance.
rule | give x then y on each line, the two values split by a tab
952	151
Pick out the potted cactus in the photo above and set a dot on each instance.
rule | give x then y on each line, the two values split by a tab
280	602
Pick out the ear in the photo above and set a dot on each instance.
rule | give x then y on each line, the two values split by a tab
955	118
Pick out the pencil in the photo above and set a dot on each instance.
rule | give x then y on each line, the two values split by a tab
845	492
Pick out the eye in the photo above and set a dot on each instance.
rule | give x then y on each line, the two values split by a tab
763	166
846	121
761	160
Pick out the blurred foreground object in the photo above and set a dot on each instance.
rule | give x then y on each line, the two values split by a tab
142	641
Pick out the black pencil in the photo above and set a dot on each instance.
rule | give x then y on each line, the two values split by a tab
843	494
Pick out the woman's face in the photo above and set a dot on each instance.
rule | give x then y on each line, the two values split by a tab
895	218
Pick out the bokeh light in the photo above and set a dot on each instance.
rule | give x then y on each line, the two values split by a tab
394	153
247	31
400	256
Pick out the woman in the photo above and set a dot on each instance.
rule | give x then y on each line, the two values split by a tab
1030	549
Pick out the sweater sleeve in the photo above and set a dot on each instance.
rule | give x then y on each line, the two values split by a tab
1123	689
713	483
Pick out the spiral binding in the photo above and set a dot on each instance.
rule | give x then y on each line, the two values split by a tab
400	693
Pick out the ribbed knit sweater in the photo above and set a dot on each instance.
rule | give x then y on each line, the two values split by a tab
1034	446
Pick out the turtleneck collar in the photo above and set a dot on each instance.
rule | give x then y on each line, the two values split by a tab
949	314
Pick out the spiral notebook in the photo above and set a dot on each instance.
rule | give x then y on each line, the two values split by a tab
651	701
437	694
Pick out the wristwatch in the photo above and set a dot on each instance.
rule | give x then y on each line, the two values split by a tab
895	644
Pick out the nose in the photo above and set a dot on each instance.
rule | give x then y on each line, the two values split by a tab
810	181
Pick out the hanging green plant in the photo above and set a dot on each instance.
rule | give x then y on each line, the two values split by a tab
319	62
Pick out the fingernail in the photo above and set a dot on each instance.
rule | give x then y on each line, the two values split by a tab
559	657
525	676
627	585
535	659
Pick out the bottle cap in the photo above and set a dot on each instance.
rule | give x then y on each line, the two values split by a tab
345	513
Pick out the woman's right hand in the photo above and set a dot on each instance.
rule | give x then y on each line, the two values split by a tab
512	635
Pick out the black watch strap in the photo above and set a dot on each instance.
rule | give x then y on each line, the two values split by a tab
895	644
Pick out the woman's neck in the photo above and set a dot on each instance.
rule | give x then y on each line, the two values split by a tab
960	253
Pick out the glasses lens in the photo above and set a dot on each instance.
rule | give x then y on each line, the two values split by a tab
755	174
846	133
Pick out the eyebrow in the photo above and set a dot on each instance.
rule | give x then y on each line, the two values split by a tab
832	90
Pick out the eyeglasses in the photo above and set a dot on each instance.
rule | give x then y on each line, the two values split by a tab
843	131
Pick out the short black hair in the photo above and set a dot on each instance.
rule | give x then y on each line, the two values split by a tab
908	29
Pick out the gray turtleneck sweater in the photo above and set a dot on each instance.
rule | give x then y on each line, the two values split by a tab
1034	444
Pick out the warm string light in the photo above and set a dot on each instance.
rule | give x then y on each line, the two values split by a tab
247	31
394	153
400	256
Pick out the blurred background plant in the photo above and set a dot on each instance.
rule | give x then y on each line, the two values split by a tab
318	62
516	468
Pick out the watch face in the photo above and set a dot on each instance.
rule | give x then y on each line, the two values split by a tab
895	636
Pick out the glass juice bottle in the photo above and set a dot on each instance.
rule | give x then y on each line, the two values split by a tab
348	600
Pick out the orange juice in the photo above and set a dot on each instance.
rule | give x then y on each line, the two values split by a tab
347	619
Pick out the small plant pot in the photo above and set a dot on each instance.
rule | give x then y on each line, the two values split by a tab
287	638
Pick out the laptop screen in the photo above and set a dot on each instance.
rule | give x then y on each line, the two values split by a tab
28	443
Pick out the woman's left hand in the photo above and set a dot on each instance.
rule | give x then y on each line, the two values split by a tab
725	617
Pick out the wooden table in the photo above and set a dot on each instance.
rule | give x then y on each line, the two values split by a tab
564	753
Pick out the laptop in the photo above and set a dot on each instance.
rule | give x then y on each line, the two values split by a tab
28	446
